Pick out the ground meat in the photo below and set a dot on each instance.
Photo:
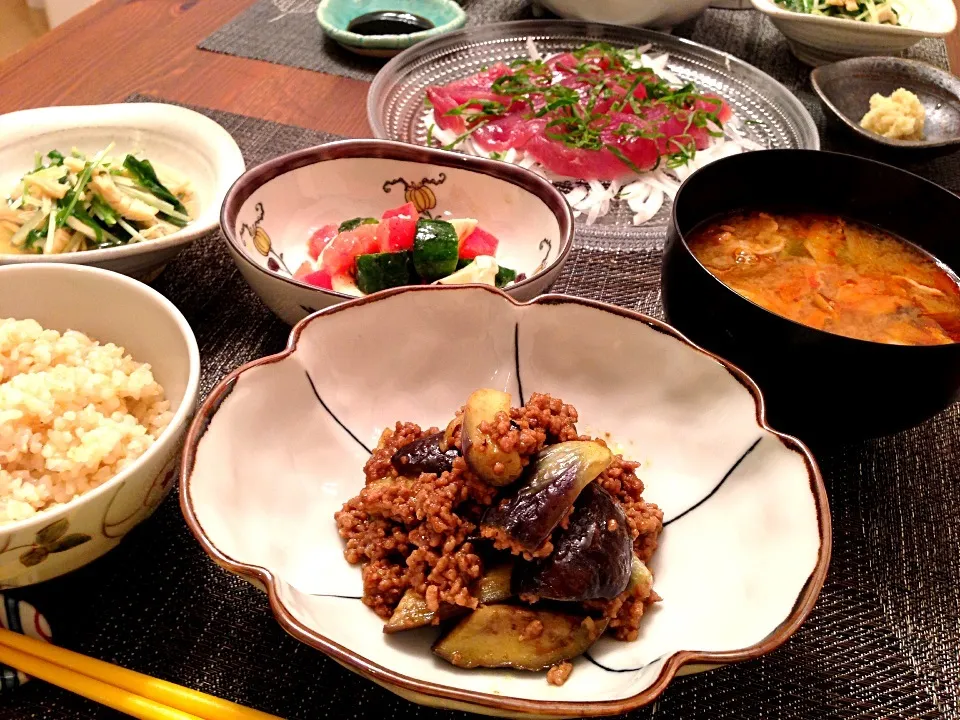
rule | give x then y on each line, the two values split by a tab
645	519
408	532
559	674
420	533
625	611
392	439
532	631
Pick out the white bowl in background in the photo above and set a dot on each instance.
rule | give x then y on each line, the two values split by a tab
176	137
648	13
269	213
818	39
280	444
107	307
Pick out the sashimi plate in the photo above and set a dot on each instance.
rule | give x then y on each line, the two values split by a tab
629	214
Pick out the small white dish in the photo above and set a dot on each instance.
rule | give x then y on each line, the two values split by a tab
271	211
107	307
818	39
179	138
279	446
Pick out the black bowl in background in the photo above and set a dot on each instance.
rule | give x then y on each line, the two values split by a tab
817	384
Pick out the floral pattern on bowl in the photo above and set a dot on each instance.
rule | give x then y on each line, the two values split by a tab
271	211
110	308
286	437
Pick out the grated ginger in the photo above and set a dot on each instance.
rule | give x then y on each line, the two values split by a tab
899	116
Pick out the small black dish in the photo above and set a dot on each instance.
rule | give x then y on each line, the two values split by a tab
389	22
817	385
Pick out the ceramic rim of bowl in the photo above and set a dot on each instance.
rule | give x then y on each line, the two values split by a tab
560	709
256	177
389	42
182	414
186	235
772	10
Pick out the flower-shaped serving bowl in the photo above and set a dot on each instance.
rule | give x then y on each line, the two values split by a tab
280	444
335	16
107	307
178	138
819	39
271	211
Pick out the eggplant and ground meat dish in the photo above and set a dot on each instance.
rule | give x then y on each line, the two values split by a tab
523	539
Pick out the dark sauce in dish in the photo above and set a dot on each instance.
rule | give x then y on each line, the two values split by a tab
389	22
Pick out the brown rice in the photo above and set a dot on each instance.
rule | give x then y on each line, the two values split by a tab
73	413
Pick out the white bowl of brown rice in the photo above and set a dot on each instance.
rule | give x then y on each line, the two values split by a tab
98	380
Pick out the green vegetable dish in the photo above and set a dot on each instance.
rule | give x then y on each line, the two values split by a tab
869	11
70	203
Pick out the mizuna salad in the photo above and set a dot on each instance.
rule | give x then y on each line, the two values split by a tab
364	255
69	203
615	122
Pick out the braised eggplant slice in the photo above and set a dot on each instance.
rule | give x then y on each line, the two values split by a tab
591	559
494	586
424	456
412	612
528	516
491	637
483	455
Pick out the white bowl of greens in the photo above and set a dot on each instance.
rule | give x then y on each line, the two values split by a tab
124	187
824	31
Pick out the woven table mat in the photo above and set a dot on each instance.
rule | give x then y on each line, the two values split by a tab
286	32
881	643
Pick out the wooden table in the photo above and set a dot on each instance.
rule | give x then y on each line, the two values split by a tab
117	48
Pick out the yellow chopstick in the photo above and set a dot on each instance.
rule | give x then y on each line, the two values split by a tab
101	692
138	695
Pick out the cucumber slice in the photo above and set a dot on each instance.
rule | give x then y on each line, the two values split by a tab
436	249
355	223
504	276
379	271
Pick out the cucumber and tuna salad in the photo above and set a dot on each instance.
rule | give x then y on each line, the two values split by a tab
364	255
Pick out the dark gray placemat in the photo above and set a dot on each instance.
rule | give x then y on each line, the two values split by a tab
286	32
881	642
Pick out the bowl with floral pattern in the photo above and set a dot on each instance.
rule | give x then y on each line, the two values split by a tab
746	526
108	308
273	213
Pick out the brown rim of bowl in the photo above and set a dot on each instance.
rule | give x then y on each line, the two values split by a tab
801	609
257	177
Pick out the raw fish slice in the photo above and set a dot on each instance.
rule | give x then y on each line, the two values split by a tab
510	131
575	162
